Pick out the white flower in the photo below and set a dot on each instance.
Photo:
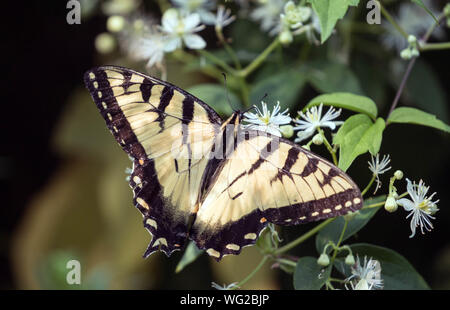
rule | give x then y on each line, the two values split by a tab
180	27
150	48
378	167
313	119
223	17
367	276
224	287
267	121
421	207
142	40
268	13
153	49
201	7
294	16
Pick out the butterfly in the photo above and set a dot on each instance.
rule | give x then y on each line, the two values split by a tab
215	182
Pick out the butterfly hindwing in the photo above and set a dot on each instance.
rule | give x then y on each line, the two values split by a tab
269	179
167	132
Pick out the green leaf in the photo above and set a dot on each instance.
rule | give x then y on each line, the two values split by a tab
285	87
347	101
420	3
216	96
328	12
190	255
308	275
329	77
375	135
397	273
357	136
418	117
333	231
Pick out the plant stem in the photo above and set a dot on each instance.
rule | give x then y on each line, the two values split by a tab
411	65
228	48
261	263
258	60
336	247
402	86
379	204
431	29
303	237
328	146
336	280
374	205
435	46
368	185
286	262
218	61
392	21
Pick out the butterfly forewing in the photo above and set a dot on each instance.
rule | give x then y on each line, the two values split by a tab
167	133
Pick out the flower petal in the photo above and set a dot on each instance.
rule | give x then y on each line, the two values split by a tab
303	135
407	204
170	20
172	44
194	41
191	21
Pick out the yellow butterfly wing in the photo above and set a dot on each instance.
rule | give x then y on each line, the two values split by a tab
268	179
167	132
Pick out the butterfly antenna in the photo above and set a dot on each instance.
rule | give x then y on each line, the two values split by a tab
263	97
226	91
253	106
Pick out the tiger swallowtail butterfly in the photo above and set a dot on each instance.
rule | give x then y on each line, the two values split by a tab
212	181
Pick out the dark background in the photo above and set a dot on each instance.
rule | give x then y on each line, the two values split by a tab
45	60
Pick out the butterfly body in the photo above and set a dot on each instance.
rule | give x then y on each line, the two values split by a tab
212	181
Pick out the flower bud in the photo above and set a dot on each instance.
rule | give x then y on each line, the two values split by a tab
412	39
286	37
405	54
317	139
414	52
398	174
350	260
447	10
391	204
105	43
323	260
115	23
287	131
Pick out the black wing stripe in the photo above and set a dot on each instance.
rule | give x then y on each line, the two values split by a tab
113	115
